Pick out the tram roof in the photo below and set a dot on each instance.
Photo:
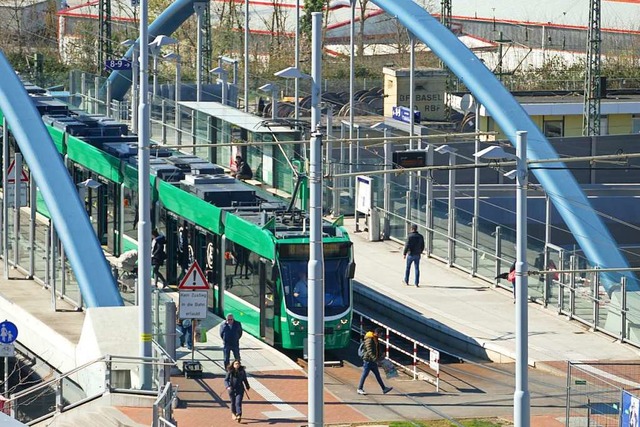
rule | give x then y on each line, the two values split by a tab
237	117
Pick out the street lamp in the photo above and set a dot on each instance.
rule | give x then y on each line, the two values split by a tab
521	399
134	82
295	73
155	47
386	204
225	59
272	88
199	8
223	83
446	149
82	188
178	89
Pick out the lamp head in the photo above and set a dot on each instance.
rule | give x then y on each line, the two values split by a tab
292	73
445	149
494	152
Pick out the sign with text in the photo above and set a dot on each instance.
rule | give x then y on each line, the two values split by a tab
117	64
404	114
193	305
409	159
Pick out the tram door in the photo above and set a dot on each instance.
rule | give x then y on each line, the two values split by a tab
268	301
203	245
171	233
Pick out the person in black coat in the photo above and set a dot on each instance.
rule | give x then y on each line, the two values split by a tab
413	249
158	255
236	382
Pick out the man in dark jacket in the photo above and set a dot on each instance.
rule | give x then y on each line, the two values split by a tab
370	360
412	250
158	255
230	332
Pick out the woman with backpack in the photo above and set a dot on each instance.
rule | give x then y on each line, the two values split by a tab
370	356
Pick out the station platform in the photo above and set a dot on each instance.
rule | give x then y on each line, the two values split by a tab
448	301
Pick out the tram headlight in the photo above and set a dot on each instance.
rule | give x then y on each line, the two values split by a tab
295	322
344	321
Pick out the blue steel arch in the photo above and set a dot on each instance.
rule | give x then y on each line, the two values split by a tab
565	193
563	190
166	23
89	264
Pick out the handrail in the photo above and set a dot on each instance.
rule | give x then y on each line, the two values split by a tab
53	380
434	354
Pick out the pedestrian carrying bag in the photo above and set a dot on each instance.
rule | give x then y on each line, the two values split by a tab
361	350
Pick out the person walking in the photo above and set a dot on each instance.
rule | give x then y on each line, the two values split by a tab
158	255
184	257
412	250
236	382
370	359
231	332
187	333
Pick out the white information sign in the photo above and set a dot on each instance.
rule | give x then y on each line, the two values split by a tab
193	305
7	350
11	191
364	192
434	360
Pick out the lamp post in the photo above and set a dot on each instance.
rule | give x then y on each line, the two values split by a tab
272	88
225	59
295	73
521	398
177	96
155	47
223	82
246	56
446	149
199	8
386	204
134	83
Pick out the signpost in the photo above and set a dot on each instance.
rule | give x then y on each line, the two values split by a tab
117	64
193	290
11	188
8	334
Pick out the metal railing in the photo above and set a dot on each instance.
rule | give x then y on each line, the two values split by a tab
398	344
86	383
163	407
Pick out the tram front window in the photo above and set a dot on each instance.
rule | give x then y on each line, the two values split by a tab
296	286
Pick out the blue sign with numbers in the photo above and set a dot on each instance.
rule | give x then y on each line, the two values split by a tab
8	332
404	114
117	64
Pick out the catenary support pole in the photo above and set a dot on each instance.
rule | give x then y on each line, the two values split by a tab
316	262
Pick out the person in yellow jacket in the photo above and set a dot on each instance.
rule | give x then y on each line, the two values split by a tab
370	359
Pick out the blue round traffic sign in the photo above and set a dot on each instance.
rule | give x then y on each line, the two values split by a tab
8	332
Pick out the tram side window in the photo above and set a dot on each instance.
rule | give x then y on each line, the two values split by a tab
242	274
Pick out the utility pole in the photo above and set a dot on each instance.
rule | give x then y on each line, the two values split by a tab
104	34
207	47
445	19
593	80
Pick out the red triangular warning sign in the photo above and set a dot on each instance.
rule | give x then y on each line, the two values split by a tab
194	279
11	174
